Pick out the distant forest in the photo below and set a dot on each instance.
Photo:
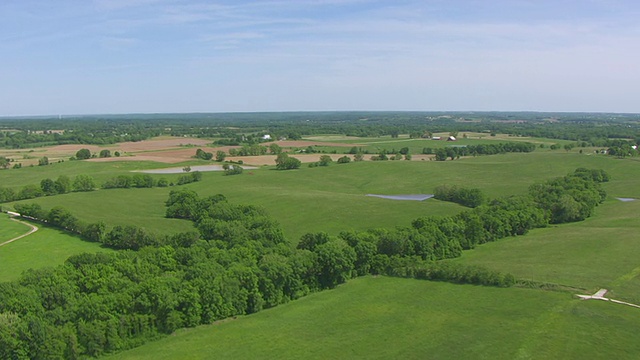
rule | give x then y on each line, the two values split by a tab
595	129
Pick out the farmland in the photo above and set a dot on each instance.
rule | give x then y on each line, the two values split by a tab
370	316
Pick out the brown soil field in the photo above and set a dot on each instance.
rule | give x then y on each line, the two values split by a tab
168	150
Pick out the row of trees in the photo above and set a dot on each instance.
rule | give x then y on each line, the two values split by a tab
62	185
454	152
461	195
239	129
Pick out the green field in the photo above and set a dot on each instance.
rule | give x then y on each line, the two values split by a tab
10	229
600	252
379	317
45	247
333	198
416	145
100	171
387	318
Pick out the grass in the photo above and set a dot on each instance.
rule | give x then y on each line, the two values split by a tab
387	318
139	207
416	145
100	171
600	252
10	229
45	247
332	199
384	317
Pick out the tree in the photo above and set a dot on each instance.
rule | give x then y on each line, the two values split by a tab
441	154
344	160
63	218
201	154
83	154
63	184
285	162
105	153
7	194
335	262
43	161
275	149
30	191
186	168
48	186
232	169
4	162
325	160
83	183
358	157
220	156
95	231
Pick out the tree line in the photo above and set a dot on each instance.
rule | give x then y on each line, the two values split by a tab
455	152
80	183
239	262
247	128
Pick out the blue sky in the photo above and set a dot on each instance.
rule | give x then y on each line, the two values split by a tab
131	56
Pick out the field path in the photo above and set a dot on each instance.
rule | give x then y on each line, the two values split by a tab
33	229
600	296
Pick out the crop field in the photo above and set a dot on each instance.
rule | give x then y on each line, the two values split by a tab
391	318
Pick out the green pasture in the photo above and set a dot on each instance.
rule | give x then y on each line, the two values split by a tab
139	207
600	252
45	247
10	229
332	198
392	318
415	145
100	171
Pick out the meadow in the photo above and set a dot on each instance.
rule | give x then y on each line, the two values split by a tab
10	229
392	318
600	252
330	199
380	317
45	247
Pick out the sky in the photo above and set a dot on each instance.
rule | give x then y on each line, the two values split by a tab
157	56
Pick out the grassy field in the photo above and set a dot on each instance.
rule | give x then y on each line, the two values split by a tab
333	198
45	247
387	318
100	171
383	317
600	252
10	229
416	145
